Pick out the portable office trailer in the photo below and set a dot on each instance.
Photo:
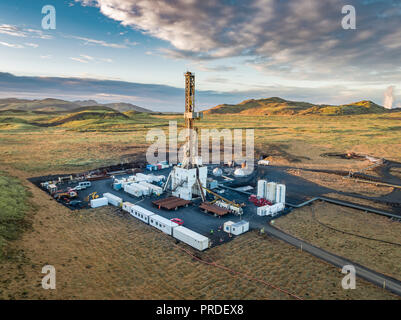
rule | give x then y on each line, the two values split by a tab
271	192
162	224
113	200
227	226
141	213
191	238
127	206
99	202
239	227
280	193
262	189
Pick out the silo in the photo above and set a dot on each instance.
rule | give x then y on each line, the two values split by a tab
271	192
280	193
262	185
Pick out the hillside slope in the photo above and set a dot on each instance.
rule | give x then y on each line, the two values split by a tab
279	106
57	105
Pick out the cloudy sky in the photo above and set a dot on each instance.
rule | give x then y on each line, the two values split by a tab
137	50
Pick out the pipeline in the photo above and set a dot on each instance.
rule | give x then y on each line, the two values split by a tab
350	233
239	273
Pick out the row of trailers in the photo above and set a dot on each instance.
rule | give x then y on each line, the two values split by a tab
171	228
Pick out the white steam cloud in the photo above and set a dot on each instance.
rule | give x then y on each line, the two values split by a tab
389	97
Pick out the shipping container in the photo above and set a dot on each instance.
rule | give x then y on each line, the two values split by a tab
162	224
191	238
99	202
153	189
113	200
141	213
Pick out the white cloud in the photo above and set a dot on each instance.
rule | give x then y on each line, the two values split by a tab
302	39
12	31
100	42
33	45
81	60
11	45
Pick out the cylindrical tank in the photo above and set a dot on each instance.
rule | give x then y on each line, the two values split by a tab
217	172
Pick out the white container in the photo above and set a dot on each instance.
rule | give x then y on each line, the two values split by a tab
141	213
153	189
263	162
133	190
145	190
239	227
127	206
264	211
227	226
191	238
162	224
113	200
99	202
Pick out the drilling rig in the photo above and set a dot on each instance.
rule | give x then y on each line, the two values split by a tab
188	179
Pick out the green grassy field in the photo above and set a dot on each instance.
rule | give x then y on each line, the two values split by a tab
13	207
81	142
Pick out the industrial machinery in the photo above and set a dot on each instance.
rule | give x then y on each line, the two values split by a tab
69	194
225	203
92	196
259	202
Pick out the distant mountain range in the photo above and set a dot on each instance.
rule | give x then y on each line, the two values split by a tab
279	106
57	105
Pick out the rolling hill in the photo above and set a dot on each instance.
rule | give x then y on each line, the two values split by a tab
279	106
57	105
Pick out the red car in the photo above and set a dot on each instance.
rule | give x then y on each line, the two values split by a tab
177	221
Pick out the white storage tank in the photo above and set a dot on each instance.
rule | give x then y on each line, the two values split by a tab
280	193
217	172
141	213
113	200
127	206
99	202
191	238
262	189
271	192
162	224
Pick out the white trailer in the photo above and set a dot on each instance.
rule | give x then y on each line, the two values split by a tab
141	213
236	228
263	162
127	206
99	202
239	227
113	200
162	224
191	238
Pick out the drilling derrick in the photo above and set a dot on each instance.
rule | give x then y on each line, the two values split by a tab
190	116
188	179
